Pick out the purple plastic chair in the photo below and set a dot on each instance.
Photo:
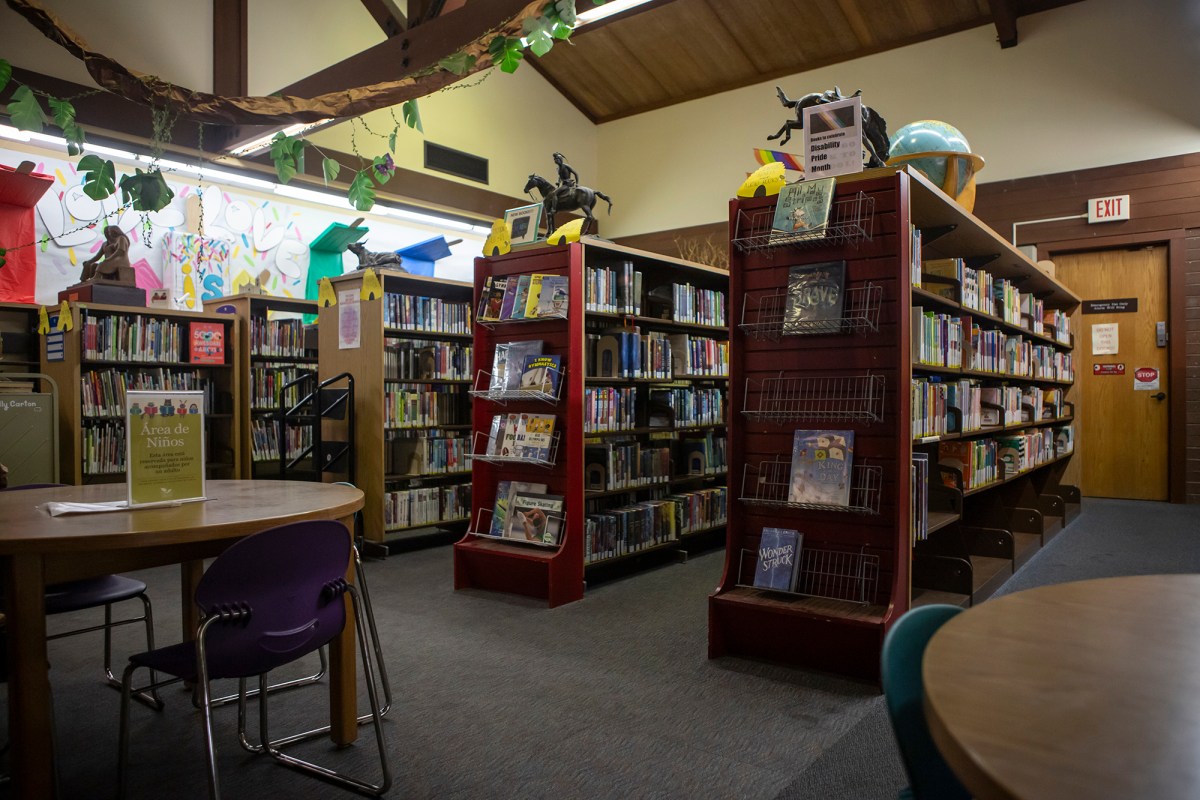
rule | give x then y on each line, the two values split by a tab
268	600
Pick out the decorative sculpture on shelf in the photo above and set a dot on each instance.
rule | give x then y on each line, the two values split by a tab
111	263
875	137
567	195
367	258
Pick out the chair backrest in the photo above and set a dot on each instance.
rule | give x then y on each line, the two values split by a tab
283	575
930	778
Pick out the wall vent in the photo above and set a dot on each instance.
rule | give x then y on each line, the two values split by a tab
455	162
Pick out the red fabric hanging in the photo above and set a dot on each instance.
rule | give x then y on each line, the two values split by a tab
19	193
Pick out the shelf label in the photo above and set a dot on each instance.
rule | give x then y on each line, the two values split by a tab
1124	305
1108	209
1108	369
1145	379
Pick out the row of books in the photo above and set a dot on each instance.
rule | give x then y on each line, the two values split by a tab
625	465
132	337
613	290
703	455
979	290
407	455
686	406
943	340
282	338
264	439
980	462
936	338
521	436
102	391
426	361
522	366
609	408
422	406
516	297
432	314
628	353
267	381
698	306
635	527
699	356
524	512
408	508
918	514
936	404
103	448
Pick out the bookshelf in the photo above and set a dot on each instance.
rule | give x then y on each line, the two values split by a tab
112	348
639	418
273	351
863	563
410	361
18	338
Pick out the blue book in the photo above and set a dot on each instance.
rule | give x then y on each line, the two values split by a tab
778	561
542	373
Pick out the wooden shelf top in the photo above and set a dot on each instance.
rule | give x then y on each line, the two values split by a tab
815	607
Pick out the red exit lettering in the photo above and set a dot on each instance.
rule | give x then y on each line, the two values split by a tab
1108	209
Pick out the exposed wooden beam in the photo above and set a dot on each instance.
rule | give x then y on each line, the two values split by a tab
386	16
1005	20
231	60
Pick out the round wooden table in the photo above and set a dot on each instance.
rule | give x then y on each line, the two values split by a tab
37	549
1080	690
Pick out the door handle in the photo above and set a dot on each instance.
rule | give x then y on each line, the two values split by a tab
1159	396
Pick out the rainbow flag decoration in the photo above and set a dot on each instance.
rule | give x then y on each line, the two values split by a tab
788	160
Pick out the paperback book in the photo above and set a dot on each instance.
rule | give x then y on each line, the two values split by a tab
778	559
821	468
207	342
535	517
508	362
552	302
504	494
493	293
816	293
542	374
539	435
803	207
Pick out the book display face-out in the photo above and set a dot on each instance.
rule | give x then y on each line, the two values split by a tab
598	416
900	415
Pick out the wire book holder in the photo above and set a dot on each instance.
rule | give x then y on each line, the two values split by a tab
851	576
482	528
851	221
483	381
788	399
769	485
482	442
764	314
493	323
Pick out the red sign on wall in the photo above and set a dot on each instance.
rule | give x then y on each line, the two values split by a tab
1108	369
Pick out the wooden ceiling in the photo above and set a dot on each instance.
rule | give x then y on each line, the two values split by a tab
671	51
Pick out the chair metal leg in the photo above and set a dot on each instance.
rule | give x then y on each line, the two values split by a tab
123	735
275	687
365	594
149	696
214	789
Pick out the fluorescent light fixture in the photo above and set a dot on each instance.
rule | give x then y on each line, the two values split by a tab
16	134
607	10
312	196
263	142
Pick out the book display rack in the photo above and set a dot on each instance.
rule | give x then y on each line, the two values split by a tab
619	441
842	432
409	355
111	349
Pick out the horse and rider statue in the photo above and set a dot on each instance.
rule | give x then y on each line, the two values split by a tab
566	195
874	127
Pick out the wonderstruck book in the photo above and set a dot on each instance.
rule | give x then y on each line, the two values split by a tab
803	208
816	293
535	517
778	559
821	464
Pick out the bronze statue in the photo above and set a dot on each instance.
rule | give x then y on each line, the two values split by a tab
568	178
367	258
875	138
111	263
566	197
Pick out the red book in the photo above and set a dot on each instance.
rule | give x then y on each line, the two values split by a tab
207	342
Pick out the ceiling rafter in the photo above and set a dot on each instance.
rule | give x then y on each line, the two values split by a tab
1005	20
386	16
231	47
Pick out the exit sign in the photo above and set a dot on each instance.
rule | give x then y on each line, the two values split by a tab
1108	209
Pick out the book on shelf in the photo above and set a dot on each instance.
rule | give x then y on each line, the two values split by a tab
816	293
508	362
504	495
803	207
521	298
821	467
493	294
510	297
553	300
778	561
206	342
541	373
535	517
539	436
495	435
535	295
920	496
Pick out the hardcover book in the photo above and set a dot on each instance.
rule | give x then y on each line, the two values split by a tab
496	435
495	299
522	297
207	342
803	207
553	300
508	361
542	374
539	434
535	517
534	296
778	559
821	464
816	293
504	494
510	296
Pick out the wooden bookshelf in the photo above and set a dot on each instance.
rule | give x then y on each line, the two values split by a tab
366	362
222	383
976	538
558	574
18	338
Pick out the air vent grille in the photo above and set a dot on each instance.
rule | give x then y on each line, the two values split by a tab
455	162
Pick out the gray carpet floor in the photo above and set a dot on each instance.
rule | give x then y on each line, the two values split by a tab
610	697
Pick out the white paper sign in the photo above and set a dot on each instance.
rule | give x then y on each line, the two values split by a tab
349	323
833	138
1146	379
1104	339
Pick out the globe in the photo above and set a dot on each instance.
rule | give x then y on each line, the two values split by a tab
941	153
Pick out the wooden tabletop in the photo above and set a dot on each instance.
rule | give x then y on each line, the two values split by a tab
1080	690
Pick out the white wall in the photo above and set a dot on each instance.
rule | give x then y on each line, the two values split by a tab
292	39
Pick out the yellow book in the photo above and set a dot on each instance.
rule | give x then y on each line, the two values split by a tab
535	292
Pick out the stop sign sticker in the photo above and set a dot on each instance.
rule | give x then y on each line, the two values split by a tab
1145	379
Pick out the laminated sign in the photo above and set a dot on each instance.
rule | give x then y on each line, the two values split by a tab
164	435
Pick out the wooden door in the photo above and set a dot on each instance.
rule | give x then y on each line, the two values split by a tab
1121	431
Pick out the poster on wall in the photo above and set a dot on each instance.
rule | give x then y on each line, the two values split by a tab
195	269
349	322
164	440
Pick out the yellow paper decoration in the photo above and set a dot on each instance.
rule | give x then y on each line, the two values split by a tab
325	295
499	241
43	321
64	317
763	182
566	233
370	285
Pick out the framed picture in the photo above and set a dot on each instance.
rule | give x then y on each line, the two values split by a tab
524	222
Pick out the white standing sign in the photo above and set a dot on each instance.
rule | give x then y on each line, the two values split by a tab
833	138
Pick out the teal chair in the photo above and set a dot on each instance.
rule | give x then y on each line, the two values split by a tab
929	777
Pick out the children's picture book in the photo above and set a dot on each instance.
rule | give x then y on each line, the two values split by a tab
496	434
515	355
778	559
494	299
553	300
816	293
207	342
535	517
522	297
542	374
539	435
821	464
510	296
508	442
504	494
534	296
803	207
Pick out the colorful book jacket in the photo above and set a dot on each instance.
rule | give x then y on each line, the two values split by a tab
534	517
542	374
821	468
803	207
504	494
553	300
778	559
207	342
816	293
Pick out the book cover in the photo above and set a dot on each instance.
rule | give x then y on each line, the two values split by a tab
535	517
207	342
541	374
778	559
519	437
509	440
553	299
522	297
504	494
816	293
499	377
534	296
803	207
427	363
516	355
496	434
539	434
495	299
821	464
510	296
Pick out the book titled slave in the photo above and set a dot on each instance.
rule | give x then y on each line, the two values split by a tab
778	559
534	517
504	494
821	464
207	342
816	293
803	208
